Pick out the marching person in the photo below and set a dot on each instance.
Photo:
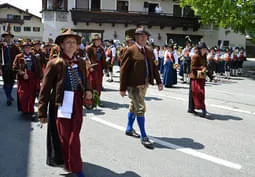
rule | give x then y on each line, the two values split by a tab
186	59
137	71
110	59
8	51
228	61
64	87
241	59
28	75
211	64
129	42
197	81
96	64
234	62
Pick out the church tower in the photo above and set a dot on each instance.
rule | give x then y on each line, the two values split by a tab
55	16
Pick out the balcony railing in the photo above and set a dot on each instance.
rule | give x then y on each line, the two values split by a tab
135	18
6	20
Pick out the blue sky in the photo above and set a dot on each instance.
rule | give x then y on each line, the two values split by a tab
33	6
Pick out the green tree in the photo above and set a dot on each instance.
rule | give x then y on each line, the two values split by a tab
239	15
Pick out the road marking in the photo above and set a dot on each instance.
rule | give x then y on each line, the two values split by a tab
176	147
151	92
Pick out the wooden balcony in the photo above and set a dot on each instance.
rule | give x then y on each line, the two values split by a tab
11	21
135	18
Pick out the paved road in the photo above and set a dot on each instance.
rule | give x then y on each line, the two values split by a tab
185	145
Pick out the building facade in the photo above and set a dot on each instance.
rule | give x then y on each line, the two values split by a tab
115	19
23	24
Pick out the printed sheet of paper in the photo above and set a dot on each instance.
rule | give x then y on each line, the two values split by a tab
66	110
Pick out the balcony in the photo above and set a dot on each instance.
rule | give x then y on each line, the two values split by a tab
135	18
11	21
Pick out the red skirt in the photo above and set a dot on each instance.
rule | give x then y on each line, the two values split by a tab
96	78
69	130
198	93
26	93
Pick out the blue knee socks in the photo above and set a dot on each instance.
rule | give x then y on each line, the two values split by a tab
141	122
131	119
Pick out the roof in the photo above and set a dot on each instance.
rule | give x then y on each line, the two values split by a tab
7	5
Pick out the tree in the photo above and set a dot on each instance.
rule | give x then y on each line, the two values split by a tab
239	15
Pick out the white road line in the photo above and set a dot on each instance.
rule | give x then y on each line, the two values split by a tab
182	99
176	147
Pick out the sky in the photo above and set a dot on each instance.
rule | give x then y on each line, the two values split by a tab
33	6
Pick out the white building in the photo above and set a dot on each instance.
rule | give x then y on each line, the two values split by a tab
114	19
23	24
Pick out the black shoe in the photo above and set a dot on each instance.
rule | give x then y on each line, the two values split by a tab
56	164
147	143
110	80
133	133
9	102
192	111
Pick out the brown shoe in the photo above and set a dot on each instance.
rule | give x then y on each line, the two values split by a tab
147	143
133	133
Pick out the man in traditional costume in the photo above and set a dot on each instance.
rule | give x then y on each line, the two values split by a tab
8	51
96	63
110	59
129	42
137	71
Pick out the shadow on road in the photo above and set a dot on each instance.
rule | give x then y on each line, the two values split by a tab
92	170
213	116
182	142
148	98
114	105
94	111
109	90
15	140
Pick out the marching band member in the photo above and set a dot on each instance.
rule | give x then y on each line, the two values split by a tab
64	88
110	59
96	63
28	75
129	42
197	81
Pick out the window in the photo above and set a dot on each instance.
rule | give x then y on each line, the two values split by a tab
27	17
13	17
4	28
26	28
82	4
17	28
122	6
225	43
36	29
